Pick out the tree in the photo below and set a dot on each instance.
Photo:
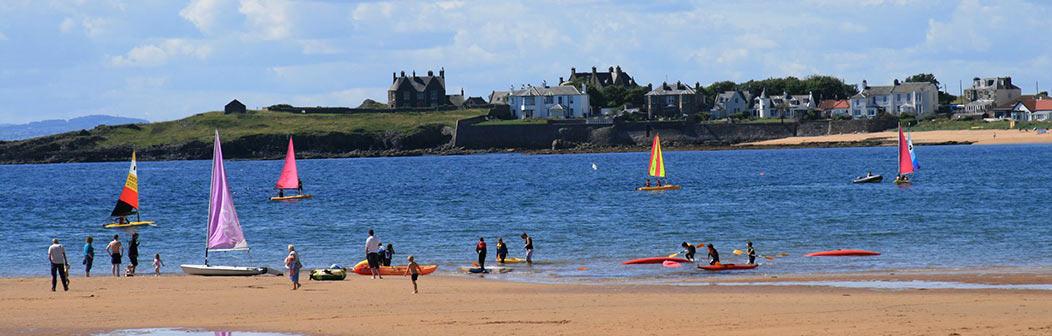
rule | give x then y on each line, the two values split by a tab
923	77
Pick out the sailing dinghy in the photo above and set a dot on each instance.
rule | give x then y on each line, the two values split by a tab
224	230
907	161
289	178
657	168
128	202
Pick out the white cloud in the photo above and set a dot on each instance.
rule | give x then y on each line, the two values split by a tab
268	19
67	25
320	47
2	36
94	27
156	55
202	13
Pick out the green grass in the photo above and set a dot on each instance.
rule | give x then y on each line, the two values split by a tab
513	122
231	126
940	125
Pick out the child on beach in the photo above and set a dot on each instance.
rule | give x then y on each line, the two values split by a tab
415	270
389	254
157	263
382	254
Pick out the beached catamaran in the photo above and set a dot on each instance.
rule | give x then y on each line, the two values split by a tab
657	168
289	178
907	160
224	229
128	202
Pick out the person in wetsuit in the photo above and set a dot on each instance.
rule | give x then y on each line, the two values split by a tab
714	256
691	249
480	248
751	252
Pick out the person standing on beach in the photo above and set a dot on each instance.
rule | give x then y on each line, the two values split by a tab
714	256
157	263
89	257
502	250
133	254
372	245
480	249
292	262
529	248
115	249
413	268
389	254
751	252
381	253
56	253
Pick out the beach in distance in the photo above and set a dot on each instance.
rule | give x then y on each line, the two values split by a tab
474	306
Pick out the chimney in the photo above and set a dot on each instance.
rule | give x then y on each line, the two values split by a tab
697	86
593	69
573	71
896	82
544	83
394	76
975	82
403	73
1008	82
618	69
864	85
678	84
560	80
611	69
430	73
461	92
414	73
650	86
442	72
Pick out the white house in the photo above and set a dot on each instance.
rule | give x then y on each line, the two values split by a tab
918	98
728	103
787	106
562	101
1032	110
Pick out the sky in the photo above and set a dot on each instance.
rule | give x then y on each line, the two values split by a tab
166	60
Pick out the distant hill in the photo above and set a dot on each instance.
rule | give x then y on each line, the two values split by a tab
55	126
369	103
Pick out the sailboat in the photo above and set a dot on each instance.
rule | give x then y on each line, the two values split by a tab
657	168
289	178
907	162
128	202
224	230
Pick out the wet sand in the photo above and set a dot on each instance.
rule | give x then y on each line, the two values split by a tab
455	305
977	137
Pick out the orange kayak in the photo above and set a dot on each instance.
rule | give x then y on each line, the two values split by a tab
394	270
838	253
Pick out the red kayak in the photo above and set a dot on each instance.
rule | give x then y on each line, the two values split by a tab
654	260
842	253
722	267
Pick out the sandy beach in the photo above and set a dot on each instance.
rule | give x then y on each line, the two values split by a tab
977	137
453	305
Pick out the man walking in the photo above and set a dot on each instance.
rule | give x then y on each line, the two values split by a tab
372	246
529	248
57	255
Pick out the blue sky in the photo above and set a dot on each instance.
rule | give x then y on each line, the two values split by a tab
165	60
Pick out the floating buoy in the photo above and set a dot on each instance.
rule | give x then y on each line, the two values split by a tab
761	173
583	269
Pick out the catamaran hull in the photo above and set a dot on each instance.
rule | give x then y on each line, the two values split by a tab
667	187
285	198
114	226
206	270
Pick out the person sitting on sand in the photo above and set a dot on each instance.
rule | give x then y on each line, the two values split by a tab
751	252
502	250
714	256
691	250
414	269
480	249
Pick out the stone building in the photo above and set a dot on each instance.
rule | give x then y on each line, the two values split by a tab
988	93
673	100
234	106
418	91
600	80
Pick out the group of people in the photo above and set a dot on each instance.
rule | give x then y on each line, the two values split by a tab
377	256
502	251
714	255
115	249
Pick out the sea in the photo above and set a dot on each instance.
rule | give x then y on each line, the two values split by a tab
970	207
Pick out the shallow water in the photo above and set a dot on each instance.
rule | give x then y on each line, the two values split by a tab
970	206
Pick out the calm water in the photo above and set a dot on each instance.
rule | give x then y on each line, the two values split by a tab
971	206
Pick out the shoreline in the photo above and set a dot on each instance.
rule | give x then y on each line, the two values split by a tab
473	305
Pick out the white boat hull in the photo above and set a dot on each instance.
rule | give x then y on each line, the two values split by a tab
207	270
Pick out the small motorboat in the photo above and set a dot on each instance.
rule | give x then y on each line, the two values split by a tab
868	179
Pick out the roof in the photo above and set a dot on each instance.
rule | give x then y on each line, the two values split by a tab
234	103
558	90
727	94
418	83
906	87
1038	105
611	77
1011	103
830	104
671	89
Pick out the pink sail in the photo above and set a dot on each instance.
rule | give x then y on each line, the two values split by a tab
905	161
224	229
289	178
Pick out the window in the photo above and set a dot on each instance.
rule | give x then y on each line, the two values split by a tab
571	99
547	99
670	100
529	100
560	99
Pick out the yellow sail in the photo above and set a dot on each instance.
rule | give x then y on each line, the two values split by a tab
657	161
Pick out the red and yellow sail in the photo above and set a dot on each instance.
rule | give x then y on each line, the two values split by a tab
128	203
657	161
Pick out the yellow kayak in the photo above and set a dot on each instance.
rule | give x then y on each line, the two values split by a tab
664	187
114	225
512	261
290	197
